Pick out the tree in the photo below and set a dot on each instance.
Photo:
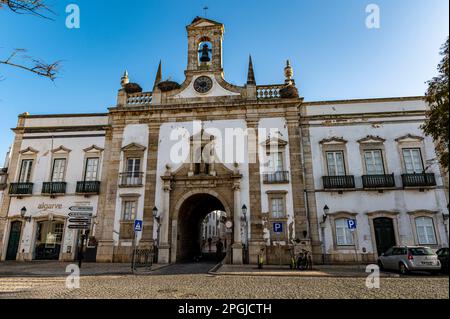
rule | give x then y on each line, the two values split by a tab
437	96
17	58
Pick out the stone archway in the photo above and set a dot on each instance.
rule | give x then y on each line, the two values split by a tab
190	215
188	198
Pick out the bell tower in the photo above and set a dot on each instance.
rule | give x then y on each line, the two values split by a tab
204	46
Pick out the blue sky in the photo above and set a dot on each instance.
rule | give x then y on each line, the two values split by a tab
333	54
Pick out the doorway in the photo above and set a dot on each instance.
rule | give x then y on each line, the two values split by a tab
14	240
48	240
384	234
191	226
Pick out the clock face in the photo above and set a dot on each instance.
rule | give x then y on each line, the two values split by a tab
203	84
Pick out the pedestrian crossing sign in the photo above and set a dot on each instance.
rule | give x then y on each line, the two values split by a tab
137	225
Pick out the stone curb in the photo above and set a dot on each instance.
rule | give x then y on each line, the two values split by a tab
105	273
215	271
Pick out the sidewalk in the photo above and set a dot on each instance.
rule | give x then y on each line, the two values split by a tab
318	271
55	268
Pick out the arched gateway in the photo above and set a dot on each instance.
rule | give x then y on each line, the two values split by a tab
190	198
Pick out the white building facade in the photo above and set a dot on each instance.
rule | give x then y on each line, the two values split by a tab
163	157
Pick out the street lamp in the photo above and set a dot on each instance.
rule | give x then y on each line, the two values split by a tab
23	211
326	210
244	218
158	221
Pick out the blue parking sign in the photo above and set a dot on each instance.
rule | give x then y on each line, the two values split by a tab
277	227
137	225
351	223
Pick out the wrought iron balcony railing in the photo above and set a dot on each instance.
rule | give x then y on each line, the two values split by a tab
338	182
21	188
419	180
276	177
88	187
54	188
378	181
128	179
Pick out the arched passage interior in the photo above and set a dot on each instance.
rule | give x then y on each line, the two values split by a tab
191	214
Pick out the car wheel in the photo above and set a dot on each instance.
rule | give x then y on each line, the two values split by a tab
380	264
403	269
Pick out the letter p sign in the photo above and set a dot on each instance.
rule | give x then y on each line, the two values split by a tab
277	227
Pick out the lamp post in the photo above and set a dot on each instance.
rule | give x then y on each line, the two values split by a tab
158	221
23	212
326	210
244	219
445	221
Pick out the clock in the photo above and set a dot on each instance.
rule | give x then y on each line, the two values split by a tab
203	84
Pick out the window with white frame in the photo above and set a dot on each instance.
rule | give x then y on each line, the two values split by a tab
413	160
25	171
335	163
344	236
129	210
275	162
91	172
425	231
278	207
59	167
374	162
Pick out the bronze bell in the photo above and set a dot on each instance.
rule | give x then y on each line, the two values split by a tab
205	53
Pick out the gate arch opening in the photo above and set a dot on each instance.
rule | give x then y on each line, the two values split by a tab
191	214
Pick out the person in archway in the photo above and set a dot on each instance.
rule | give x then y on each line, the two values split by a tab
219	249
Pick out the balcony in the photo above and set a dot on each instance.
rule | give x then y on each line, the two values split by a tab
419	180
131	179
339	182
378	181
19	189
54	188
88	187
276	177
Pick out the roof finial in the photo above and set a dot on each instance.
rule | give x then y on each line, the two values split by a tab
251	74
288	72
205	8
124	80
158	75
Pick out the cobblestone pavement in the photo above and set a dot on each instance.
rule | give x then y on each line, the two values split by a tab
173	282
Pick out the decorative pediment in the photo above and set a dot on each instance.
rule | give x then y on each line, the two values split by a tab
409	138
93	149
274	141
29	151
333	140
61	150
370	139
199	22
134	147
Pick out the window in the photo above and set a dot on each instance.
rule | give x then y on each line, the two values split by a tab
133	165
413	161
374	162
59	167
344	236
275	163
277	207
25	171
335	163
91	174
425	231
129	210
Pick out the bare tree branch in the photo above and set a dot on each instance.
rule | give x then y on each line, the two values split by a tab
35	66
35	7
